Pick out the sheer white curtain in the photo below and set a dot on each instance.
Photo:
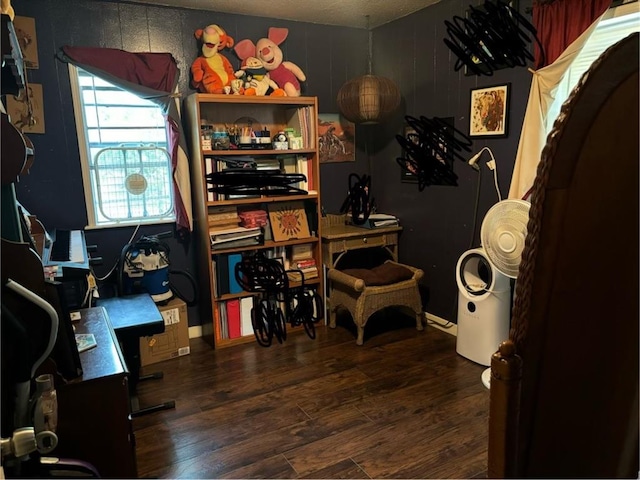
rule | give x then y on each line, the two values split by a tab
533	136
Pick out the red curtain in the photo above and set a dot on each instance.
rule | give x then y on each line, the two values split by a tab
560	22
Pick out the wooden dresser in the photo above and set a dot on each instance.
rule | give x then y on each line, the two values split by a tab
94	412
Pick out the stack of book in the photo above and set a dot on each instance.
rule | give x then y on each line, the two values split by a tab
223	218
307	267
235	237
302	261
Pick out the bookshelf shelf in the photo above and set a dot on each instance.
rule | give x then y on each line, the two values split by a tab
242	152
274	114
264	199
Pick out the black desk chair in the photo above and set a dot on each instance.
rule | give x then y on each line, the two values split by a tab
133	317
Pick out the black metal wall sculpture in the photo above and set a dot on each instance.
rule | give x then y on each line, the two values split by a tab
491	37
430	150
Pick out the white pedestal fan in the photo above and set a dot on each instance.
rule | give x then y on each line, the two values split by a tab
483	277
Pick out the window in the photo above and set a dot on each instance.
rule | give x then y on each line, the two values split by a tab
617	24
126	167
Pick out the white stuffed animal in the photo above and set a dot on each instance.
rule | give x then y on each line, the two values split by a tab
255	78
287	75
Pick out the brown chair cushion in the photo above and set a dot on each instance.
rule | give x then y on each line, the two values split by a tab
384	274
368	276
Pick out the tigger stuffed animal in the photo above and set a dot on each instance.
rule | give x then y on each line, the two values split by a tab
212	72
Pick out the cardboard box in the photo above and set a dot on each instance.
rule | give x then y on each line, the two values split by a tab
174	342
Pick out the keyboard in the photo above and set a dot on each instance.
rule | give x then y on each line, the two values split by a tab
68	247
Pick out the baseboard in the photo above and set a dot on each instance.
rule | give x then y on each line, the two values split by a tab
441	324
432	320
195	332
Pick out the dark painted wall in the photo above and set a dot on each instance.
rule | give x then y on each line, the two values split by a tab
53	190
438	221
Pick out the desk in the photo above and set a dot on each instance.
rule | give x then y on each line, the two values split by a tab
132	317
338	239
94	422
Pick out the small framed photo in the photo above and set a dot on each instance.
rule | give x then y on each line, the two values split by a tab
409	172
435	149
488	111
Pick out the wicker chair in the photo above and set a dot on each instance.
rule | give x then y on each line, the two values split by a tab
362	300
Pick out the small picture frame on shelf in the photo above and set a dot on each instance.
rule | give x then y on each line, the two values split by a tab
488	111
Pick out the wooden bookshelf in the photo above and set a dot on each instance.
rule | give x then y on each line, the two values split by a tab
274	114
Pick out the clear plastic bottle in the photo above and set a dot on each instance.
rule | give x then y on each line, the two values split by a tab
45	416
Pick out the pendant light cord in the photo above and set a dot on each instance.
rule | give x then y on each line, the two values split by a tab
370	59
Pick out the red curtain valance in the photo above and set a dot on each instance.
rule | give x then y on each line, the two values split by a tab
558	23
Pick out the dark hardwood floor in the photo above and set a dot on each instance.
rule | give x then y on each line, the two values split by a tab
403	405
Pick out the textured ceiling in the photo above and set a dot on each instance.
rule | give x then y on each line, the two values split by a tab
347	13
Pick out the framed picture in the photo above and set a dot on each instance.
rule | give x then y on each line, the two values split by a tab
438	148
26	33
288	221
408	172
488	113
336	138
497	65
26	110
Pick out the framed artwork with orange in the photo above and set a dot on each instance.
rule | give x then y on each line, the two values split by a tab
489	111
288	221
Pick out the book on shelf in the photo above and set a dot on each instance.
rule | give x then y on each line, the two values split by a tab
221	269
288	220
289	163
246	305
208	169
214	278
298	121
265	163
223	218
233	317
242	242
296	275
302	264
233	259
228	211
303	165
301	251
223	224
277	253
224	326
85	341
218	237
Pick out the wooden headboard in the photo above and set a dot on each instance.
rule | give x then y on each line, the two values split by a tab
564	389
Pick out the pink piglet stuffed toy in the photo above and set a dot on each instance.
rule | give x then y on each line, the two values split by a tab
287	75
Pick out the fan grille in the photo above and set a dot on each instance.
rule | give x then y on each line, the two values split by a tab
503	233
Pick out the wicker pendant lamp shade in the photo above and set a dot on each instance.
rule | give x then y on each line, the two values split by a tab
368	99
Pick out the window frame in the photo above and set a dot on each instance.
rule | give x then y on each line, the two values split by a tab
85	162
